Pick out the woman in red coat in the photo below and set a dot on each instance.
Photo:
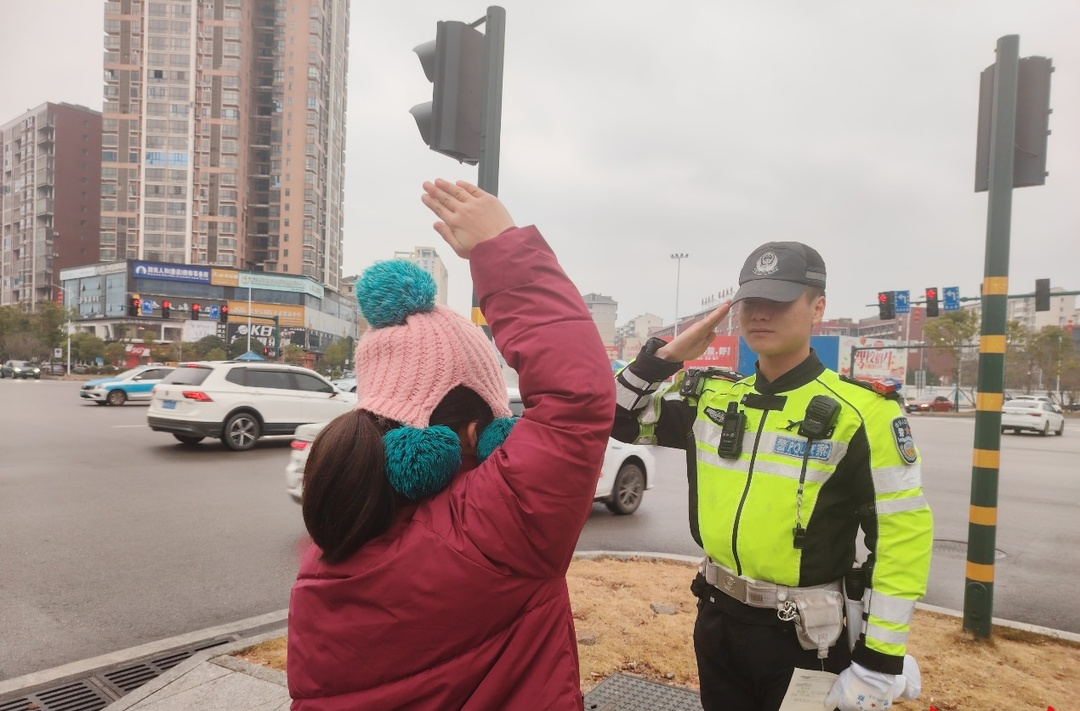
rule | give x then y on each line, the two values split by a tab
443	528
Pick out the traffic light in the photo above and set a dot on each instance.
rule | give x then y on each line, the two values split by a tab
454	64
223	314
134	305
931	301
194	312
1042	294
165	306
886	301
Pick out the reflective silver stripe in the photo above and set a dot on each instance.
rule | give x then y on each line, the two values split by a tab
707	432
891	609
630	400
891	506
890	480
634	381
742	464
887	636
789	471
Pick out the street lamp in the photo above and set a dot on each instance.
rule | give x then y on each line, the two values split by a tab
678	257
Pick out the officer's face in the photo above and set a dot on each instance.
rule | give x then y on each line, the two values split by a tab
776	328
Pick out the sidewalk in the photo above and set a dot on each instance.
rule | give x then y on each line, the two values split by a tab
213	679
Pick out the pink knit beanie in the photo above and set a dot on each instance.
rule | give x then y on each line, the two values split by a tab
415	352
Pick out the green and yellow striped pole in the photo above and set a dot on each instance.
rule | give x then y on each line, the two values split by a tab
982	518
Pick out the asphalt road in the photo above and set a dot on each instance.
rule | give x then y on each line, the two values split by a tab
112	535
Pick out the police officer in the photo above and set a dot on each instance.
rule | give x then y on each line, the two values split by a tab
784	466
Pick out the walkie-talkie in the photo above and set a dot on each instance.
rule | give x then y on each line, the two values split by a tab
820	417
731	433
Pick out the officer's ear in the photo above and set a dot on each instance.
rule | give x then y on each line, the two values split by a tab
818	306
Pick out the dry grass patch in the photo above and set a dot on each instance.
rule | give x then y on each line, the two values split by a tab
620	611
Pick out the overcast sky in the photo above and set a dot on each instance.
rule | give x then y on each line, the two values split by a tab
634	130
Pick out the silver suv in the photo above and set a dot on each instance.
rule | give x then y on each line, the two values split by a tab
239	402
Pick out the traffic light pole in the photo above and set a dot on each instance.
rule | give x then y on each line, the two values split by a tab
487	178
982	517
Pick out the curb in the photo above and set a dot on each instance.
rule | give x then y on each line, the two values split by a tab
88	666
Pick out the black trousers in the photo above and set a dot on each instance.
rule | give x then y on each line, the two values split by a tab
746	655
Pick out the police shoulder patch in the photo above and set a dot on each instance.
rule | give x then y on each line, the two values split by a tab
905	443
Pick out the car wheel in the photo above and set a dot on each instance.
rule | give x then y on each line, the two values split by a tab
117	397
1046	429
241	432
1061	428
188	439
628	490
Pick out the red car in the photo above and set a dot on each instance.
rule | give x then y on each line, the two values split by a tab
938	404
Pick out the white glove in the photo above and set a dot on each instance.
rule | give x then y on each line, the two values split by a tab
912	678
860	689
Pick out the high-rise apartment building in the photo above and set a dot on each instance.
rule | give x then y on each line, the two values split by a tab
49	199
224	133
429	260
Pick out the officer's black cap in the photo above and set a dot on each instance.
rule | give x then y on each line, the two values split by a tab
780	271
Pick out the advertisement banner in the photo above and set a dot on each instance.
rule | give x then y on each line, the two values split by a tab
171	272
882	362
288	314
196	330
224	277
723	353
273	282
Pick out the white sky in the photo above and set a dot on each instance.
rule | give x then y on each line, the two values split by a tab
633	130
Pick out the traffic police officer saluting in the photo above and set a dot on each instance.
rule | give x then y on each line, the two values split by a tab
784	466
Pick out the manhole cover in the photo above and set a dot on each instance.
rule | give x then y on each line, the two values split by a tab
958	549
620	692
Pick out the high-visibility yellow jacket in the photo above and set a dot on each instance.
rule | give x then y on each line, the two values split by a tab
744	511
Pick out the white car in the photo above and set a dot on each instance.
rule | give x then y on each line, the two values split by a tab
1033	415
628	469
240	401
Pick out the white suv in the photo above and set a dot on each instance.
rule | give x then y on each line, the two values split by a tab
238	402
628	469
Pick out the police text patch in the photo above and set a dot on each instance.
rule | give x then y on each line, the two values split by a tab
904	441
715	415
791	447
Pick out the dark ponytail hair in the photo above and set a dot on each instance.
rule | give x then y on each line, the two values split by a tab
347	499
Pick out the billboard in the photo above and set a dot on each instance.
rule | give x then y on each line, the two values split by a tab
723	353
288	314
171	272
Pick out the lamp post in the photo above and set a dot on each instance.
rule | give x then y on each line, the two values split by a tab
678	257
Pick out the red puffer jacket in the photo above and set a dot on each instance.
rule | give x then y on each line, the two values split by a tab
463	603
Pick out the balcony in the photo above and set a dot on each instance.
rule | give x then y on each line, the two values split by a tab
44	207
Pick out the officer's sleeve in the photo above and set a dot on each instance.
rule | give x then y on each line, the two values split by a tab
639	396
905	535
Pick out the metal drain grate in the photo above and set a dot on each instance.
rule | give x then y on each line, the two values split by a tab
99	689
127	679
620	692
77	696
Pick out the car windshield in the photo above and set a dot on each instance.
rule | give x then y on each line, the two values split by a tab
187	375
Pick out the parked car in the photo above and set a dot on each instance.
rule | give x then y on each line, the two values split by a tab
626	474
240	401
20	369
1020	415
938	404
134	384
346	384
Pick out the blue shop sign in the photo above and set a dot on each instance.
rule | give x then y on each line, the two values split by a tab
171	272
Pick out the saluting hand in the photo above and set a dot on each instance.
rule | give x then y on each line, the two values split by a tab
693	341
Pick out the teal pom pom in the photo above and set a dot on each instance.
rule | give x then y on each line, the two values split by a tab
493	436
421	462
388	292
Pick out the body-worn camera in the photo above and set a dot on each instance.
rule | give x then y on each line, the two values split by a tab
731	433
